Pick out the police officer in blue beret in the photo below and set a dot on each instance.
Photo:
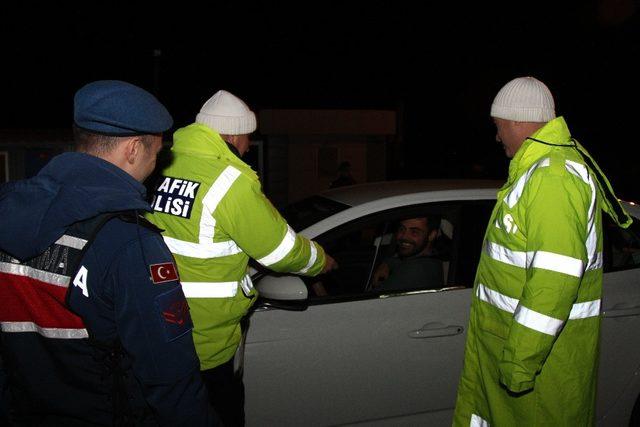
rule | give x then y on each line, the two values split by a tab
95	326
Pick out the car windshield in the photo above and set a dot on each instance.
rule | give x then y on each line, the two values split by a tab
306	212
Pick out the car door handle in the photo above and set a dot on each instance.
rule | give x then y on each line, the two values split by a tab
617	311
434	330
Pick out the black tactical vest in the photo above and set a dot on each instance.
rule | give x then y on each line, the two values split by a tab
58	374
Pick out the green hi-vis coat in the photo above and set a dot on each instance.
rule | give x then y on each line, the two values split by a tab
531	356
215	217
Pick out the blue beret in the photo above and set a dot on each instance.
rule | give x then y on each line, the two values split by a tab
113	107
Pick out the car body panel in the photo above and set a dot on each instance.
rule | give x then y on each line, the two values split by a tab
375	360
321	356
619	338
619	369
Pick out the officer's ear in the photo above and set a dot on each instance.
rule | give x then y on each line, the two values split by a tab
132	148
231	139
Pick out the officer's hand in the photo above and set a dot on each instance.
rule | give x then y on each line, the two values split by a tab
329	264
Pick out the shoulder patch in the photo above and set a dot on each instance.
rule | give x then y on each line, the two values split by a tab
165	272
173	310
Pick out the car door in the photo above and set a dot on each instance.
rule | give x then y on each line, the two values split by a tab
356	355
618	386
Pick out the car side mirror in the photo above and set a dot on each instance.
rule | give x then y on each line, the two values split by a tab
283	288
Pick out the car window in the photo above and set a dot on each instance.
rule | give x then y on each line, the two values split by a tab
362	246
355	250
472	224
414	254
375	256
621	248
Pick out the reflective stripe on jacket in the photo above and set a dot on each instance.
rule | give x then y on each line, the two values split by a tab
215	217
535	315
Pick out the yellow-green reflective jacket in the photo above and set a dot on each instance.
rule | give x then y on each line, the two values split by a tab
215	217
535	314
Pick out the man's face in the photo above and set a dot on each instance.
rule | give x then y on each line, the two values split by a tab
509	135
148	156
412	237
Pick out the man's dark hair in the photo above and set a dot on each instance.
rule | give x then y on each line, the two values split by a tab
99	144
433	222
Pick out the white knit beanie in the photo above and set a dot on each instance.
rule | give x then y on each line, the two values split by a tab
227	114
524	99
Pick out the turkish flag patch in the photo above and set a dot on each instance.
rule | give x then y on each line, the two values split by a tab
165	272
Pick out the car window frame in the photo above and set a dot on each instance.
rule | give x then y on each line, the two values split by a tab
452	209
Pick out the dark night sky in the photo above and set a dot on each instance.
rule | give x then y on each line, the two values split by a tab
440	62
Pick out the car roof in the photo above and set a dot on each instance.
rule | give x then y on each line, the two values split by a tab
365	199
356	195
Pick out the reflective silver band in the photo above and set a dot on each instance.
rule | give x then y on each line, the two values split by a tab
283	249
246	284
212	199
497	299
514	195
312	258
477	421
43	276
210	289
63	333
533	319
539	259
537	321
555	262
582	310
596	263
502	254
72	242
582	172
201	250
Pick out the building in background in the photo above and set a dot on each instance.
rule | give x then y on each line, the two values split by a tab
296	153
24	152
304	149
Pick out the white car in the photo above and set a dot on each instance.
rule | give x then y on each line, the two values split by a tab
364	356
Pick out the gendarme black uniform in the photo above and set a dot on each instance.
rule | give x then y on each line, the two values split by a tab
95	326
63	367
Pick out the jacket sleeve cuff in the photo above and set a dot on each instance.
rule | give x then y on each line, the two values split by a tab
515	382
318	265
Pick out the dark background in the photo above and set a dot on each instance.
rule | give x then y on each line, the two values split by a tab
439	64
